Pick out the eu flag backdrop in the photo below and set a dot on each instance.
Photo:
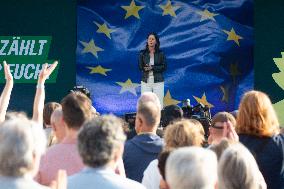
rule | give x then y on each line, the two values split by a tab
208	46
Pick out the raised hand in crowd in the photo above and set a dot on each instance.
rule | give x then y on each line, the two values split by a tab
229	132
40	92
6	93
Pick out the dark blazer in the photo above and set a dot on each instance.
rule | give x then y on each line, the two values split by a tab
139	152
269	155
159	65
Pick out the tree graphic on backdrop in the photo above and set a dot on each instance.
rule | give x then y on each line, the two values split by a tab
279	79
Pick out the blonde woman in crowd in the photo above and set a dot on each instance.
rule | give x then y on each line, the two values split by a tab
258	129
179	134
186	132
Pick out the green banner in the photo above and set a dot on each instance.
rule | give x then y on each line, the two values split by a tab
26	56
50	28
268	53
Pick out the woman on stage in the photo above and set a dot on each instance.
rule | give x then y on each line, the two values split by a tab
152	63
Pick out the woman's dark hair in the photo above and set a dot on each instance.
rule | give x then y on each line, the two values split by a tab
157	46
162	159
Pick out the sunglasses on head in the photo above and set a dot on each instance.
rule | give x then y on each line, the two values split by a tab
217	127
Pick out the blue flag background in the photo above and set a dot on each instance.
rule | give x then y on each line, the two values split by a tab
208	45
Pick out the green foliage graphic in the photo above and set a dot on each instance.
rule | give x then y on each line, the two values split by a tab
279	79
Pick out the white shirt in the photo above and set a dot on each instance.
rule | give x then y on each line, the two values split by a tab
152	177
151	63
102	178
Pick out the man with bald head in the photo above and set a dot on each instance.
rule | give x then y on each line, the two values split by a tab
145	147
149	97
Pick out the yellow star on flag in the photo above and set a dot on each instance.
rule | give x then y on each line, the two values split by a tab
104	29
132	10
99	70
169	9
128	86
203	100
234	71
233	36
206	15
225	91
91	47
168	100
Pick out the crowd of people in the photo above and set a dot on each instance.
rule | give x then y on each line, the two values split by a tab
88	150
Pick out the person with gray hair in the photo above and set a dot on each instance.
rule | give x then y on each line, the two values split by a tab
149	97
190	168
22	142
145	147
238	169
100	145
